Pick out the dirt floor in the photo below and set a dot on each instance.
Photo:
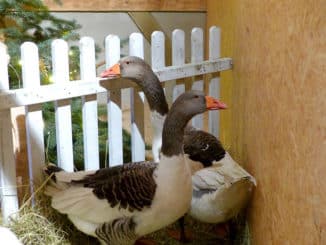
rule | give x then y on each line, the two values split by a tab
202	234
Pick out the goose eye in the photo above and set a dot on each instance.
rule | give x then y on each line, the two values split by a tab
196	96
127	62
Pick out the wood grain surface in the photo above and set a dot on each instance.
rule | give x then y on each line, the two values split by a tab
127	5
276	122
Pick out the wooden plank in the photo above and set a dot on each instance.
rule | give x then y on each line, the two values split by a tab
158	61
130	5
89	105
112	55
62	107
214	83
22	97
178	57
136	48
158	49
8	191
172	90
33	117
193	69
197	55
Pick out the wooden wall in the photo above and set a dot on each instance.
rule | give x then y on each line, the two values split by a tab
276	124
127	5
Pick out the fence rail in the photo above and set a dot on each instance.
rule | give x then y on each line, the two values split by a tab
32	95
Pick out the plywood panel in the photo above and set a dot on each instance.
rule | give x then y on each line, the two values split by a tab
276	124
127	5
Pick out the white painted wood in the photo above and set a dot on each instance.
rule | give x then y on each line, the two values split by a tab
197	55
214	84
171	89
136	48
8	191
25	96
112	56
189	70
62	107
178	57
158	49
4	58
89	105
158	61
33	117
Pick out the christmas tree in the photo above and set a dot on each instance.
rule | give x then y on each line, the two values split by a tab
30	20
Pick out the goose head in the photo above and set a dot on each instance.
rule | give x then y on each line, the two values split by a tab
182	110
130	67
138	71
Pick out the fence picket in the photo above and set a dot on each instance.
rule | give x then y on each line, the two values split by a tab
8	191
136	48
214	84
158	61
197	55
112	55
62	107
158	49
178	58
33	117
89	105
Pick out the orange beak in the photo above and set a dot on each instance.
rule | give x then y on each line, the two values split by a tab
214	104
113	71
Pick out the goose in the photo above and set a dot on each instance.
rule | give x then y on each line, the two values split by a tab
120	204
221	187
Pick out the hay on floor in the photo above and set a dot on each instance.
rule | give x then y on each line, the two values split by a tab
41	224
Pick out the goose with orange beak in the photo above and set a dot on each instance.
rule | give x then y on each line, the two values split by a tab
221	187
120	204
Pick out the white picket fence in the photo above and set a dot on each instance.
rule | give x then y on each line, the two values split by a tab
32	95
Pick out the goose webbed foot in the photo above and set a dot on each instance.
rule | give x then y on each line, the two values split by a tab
182	235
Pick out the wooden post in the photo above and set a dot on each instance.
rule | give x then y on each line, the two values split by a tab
62	107
8	190
112	55
197	55
89	104
136	48
33	114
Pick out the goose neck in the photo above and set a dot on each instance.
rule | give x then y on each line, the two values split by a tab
154	93
173	132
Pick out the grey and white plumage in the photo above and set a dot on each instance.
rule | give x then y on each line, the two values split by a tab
221	191
221	187
119	204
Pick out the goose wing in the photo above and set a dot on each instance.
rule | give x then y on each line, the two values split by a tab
219	176
107	192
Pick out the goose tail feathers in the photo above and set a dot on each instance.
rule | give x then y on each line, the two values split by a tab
61	180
